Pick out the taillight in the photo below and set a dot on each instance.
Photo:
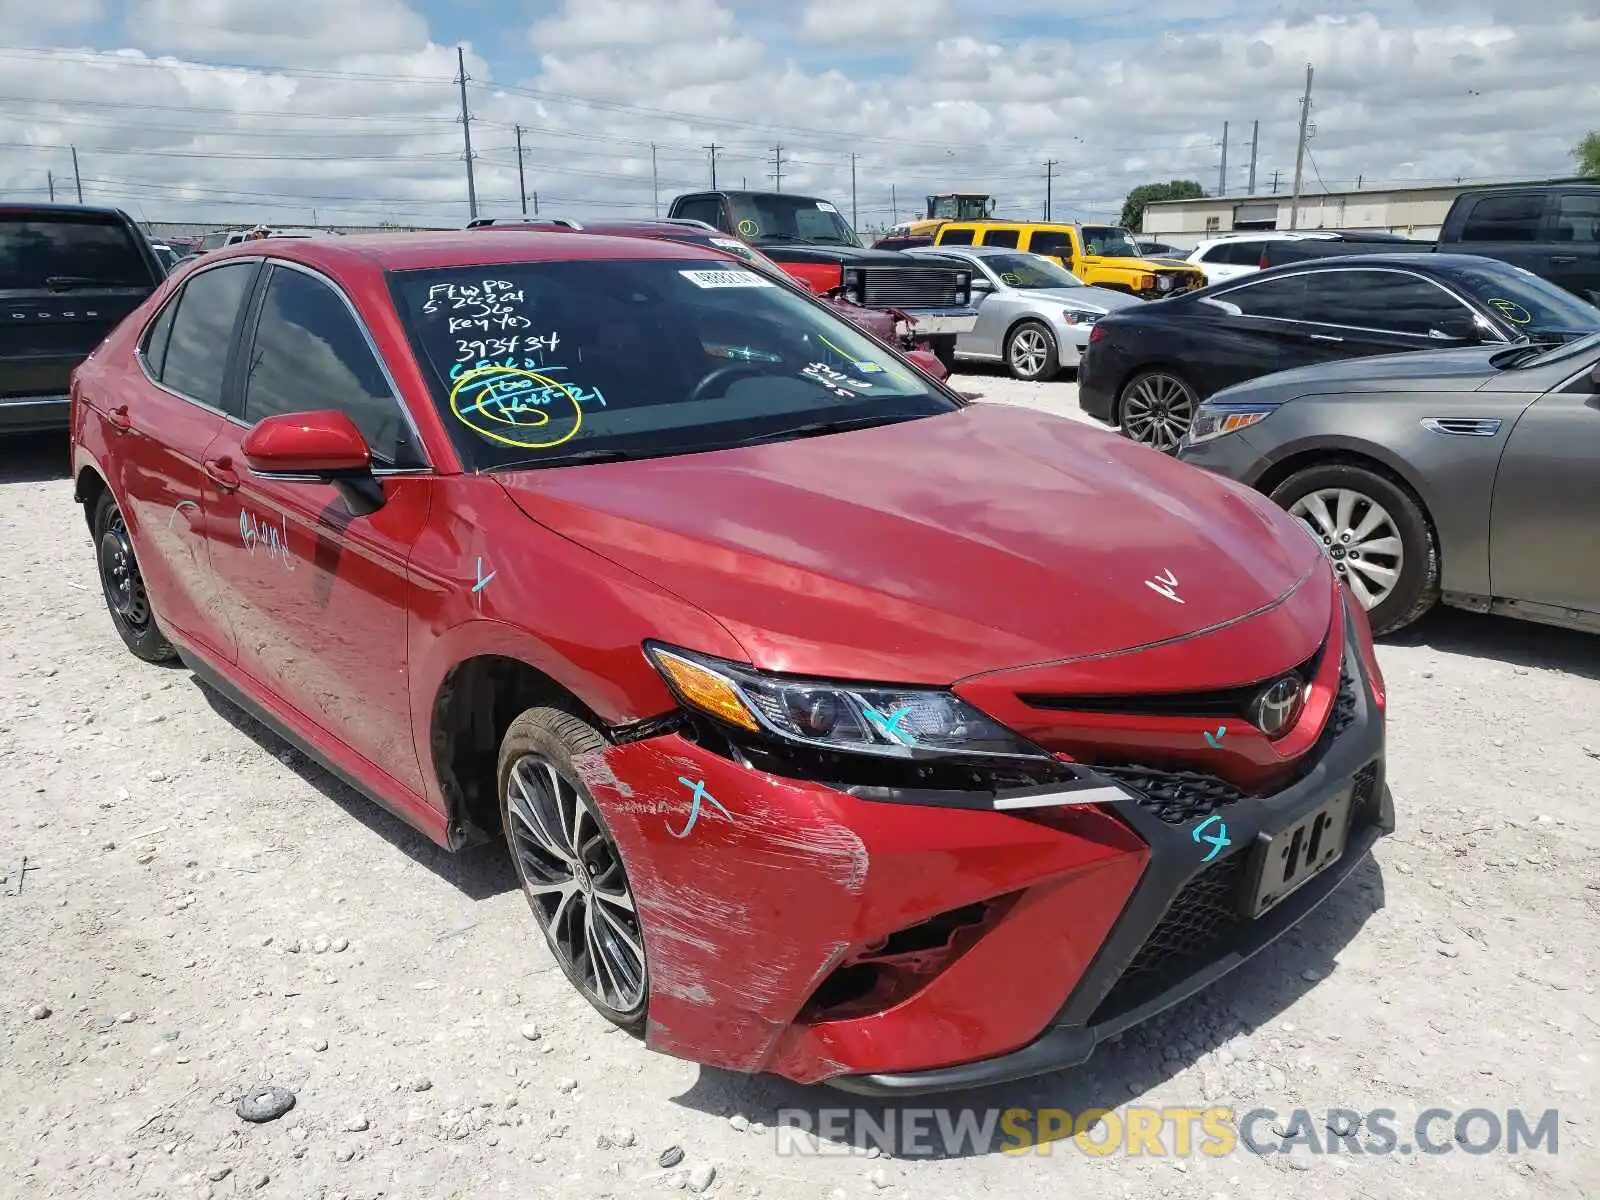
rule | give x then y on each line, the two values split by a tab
1262	261
1096	334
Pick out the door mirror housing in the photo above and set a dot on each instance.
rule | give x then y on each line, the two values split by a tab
981	286
315	447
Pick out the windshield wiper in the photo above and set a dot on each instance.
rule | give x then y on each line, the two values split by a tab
561	460
780	237
818	428
1517	354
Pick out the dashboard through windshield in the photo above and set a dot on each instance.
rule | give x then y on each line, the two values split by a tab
539	364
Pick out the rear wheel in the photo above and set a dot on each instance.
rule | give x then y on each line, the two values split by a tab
1156	409
123	585
1031	352
1375	534
569	865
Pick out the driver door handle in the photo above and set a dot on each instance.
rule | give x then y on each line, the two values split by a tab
1563	258
1324	337
222	473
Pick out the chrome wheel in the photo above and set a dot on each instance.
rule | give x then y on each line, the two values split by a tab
1030	350
119	576
1359	537
575	882
1157	409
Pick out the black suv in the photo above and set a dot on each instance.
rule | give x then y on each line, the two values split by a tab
68	275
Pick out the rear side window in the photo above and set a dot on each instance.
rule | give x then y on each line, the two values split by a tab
1050	241
154	346
1282	298
310	353
1237	254
35	252
707	210
1578	218
202	331
955	237
1000	237
1504	219
1388	300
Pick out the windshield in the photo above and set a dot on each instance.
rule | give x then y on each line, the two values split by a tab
790	219
1109	240
1532	305
536	364
1029	271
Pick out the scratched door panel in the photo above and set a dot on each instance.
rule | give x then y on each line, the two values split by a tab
318	598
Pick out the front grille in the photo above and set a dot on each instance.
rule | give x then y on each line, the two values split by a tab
1176	797
1220	702
1199	921
911	287
1344	707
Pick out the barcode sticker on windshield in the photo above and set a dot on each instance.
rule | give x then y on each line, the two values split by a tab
826	207
726	279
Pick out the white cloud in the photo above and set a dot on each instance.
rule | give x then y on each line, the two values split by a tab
356	121
846	21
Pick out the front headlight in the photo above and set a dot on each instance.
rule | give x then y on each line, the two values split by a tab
1216	420
890	722
1073	316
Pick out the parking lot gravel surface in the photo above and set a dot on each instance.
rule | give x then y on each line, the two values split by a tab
194	915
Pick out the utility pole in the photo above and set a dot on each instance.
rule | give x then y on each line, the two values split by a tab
1049	181
1359	178
1300	153
655	183
522	181
1275	175
466	135
777	168
854	220
50	180
894	206
536	204
76	178
1255	136
713	147
1222	175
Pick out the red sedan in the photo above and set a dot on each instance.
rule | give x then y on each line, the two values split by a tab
837	727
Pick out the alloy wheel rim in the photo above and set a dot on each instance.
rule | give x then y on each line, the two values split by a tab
1157	411
1359	537
574	879
1028	352
119	576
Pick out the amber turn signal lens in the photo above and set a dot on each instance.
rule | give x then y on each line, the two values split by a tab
706	690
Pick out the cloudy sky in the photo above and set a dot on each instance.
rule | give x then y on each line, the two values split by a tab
289	111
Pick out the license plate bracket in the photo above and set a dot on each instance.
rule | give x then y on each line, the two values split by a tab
1296	854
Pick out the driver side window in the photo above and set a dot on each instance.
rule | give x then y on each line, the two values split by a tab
309	353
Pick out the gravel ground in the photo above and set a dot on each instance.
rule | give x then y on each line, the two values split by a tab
191	910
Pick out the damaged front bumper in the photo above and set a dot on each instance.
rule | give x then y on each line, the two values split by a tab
893	947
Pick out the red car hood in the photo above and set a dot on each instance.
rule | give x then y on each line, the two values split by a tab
930	550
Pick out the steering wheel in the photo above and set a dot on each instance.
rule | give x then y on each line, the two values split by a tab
729	373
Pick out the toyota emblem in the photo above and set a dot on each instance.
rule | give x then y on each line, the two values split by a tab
1277	706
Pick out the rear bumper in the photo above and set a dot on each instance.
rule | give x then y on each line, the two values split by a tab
934	321
34	414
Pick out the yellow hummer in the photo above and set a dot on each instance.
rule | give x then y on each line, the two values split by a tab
1103	255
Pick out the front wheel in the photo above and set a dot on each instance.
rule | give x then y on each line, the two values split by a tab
1156	409
1375	534
123	585
943	346
1031	352
569	865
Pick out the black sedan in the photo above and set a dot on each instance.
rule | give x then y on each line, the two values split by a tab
1147	368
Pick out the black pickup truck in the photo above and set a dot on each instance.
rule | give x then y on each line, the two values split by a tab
68	275
812	241
1550	229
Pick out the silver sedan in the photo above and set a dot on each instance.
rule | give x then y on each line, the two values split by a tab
1033	315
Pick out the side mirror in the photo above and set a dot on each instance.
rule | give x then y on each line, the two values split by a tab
981	286
928	363
319	447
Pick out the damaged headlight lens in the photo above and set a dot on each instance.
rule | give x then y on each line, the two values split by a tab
891	722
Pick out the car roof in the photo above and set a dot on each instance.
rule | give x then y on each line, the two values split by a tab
978	251
456	248
12	209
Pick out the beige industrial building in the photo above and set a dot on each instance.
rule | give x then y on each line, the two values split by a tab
1411	212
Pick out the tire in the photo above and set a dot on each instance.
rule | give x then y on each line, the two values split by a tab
123	586
1402	540
542	800
1035	345
1155	408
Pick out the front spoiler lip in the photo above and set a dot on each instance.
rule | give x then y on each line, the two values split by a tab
942	320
